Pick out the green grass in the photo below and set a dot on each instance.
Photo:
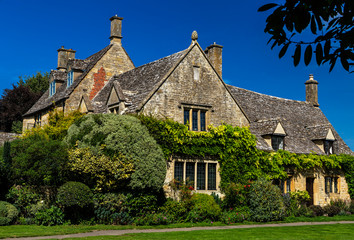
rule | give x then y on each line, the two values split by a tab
34	230
335	231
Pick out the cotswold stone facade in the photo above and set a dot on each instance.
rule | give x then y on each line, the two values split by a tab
187	87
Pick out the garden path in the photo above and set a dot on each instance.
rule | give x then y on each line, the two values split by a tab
122	232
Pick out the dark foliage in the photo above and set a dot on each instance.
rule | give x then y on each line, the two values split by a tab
14	103
331	210
39	161
331	24
317	210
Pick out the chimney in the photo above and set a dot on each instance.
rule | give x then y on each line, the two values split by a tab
63	57
116	29
214	53
312	91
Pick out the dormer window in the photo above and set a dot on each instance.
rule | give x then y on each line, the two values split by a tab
277	142
52	88
195	119
70	78
328	146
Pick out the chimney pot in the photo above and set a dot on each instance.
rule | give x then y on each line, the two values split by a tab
63	57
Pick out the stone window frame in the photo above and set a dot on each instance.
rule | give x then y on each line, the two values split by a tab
202	111
114	109
210	185
331	184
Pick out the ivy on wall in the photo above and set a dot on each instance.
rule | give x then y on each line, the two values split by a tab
235	149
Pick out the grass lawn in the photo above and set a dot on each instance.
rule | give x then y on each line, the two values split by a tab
34	230
335	231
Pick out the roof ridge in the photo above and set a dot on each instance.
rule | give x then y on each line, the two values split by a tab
280	98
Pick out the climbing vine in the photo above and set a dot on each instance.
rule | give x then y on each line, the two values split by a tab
235	149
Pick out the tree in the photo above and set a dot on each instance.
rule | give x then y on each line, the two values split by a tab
14	103
18	100
37	83
332	30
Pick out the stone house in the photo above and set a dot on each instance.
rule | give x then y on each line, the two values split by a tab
187	87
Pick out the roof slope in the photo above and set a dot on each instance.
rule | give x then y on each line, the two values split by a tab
63	92
296	117
137	83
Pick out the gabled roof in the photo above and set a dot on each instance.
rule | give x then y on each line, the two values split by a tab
295	116
139	82
63	92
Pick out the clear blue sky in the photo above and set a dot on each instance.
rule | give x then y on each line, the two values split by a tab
32	31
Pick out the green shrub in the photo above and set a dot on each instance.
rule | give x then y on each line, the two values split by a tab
177	210
50	217
153	219
8	212
304	211
4	221
23	197
109	208
34	208
351	207
38	161
331	210
235	215
203	208
74	194
343	206
266	203
317	210
122	135
236	195
139	204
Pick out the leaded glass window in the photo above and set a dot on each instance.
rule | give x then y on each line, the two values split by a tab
201	176
211	176
195	120
277	142
202	121
186	116
179	171
190	172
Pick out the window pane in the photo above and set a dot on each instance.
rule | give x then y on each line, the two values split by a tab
288	181
186	116
277	142
179	171
335	184
195	120
190	172
202	121
212	176
201	176
327	184
330	185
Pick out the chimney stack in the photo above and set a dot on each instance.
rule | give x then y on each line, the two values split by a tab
312	91
63	57
214	53
116	29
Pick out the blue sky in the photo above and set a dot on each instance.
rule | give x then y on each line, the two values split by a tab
32	31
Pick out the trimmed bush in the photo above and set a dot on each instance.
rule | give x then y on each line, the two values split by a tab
203	208
236	195
177	210
8	213
115	135
74	194
23	197
266	203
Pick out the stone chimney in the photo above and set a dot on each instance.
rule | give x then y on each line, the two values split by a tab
214	53
312	91
116	29
63	57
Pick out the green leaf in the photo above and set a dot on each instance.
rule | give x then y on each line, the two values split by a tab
313	25
319	53
267	7
297	55
283	50
308	55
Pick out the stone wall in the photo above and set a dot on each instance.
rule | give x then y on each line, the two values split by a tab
115	61
183	89
4	136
